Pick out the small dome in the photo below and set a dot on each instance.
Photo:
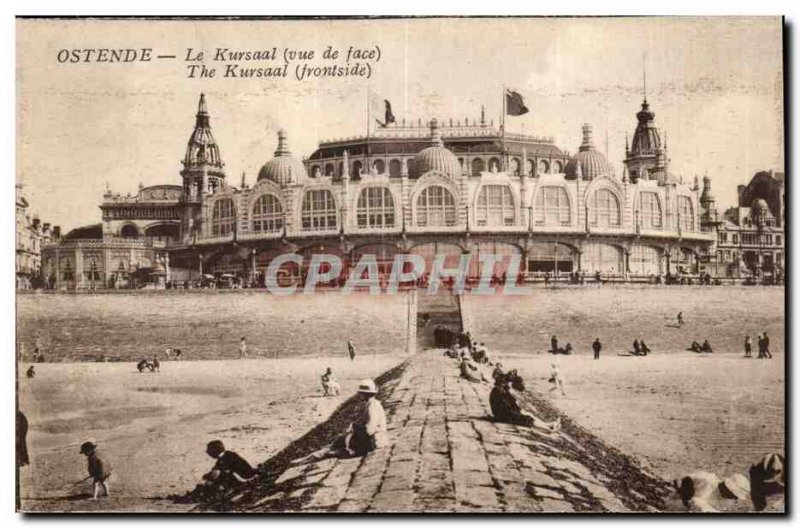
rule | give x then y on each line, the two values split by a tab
435	158
592	163
760	207
283	169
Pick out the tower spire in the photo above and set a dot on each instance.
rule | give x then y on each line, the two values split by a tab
644	75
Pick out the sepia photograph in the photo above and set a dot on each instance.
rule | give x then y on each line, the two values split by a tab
401	265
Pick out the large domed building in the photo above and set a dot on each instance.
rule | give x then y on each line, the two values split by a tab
443	188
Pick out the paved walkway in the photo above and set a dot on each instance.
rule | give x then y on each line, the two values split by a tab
446	454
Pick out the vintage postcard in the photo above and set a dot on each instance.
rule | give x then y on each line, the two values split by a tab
503	265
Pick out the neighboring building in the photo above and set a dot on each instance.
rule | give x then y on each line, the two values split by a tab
750	237
434	190
31	234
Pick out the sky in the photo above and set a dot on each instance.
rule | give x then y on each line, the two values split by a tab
715	85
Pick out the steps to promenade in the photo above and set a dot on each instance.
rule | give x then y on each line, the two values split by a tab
445	454
443	309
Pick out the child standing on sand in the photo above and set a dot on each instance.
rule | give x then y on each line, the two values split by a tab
242	348
99	470
557	379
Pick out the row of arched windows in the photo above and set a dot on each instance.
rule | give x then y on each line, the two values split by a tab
476	167
436	206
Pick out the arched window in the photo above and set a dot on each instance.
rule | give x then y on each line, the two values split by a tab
379	166
478	166
436	207
375	208
267	214
558	167
495	206
604	209
649	211
494	165
530	168
685	213
395	168
129	231
544	167
223	217
645	260
515	166
329	169
552	206
319	211
356	172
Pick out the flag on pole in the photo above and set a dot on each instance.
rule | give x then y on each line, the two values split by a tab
515	105
388	115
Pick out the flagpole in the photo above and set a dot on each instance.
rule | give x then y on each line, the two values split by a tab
503	129
367	167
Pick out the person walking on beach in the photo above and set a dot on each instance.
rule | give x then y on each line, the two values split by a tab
597	347
767	353
761	354
556	379
748	347
242	347
680	319
99	470
156	364
351	350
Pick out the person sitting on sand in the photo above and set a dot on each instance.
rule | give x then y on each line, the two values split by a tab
506	409
143	364
568	349
706	348
230	471
99	469
330	386
695	347
366	434
178	354
705	492
644	347
30	373
767	478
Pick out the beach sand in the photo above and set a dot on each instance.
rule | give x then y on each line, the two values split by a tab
153	427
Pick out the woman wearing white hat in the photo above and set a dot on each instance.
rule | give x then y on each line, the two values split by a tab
367	432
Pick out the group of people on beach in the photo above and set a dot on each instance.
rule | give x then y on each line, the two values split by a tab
640	348
763	346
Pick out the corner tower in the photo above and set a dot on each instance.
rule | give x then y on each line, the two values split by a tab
203	170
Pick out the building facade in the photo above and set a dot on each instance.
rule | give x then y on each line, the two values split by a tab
31	235
750	237
440	189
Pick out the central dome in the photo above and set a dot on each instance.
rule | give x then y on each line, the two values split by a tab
435	158
588	163
283	169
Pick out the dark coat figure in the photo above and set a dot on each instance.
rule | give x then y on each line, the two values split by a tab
767	353
637	348
706	347
156	364
504	405
597	347
229	471
351	350
144	364
30	373
645	348
695	347
767	477
554	343
22	440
